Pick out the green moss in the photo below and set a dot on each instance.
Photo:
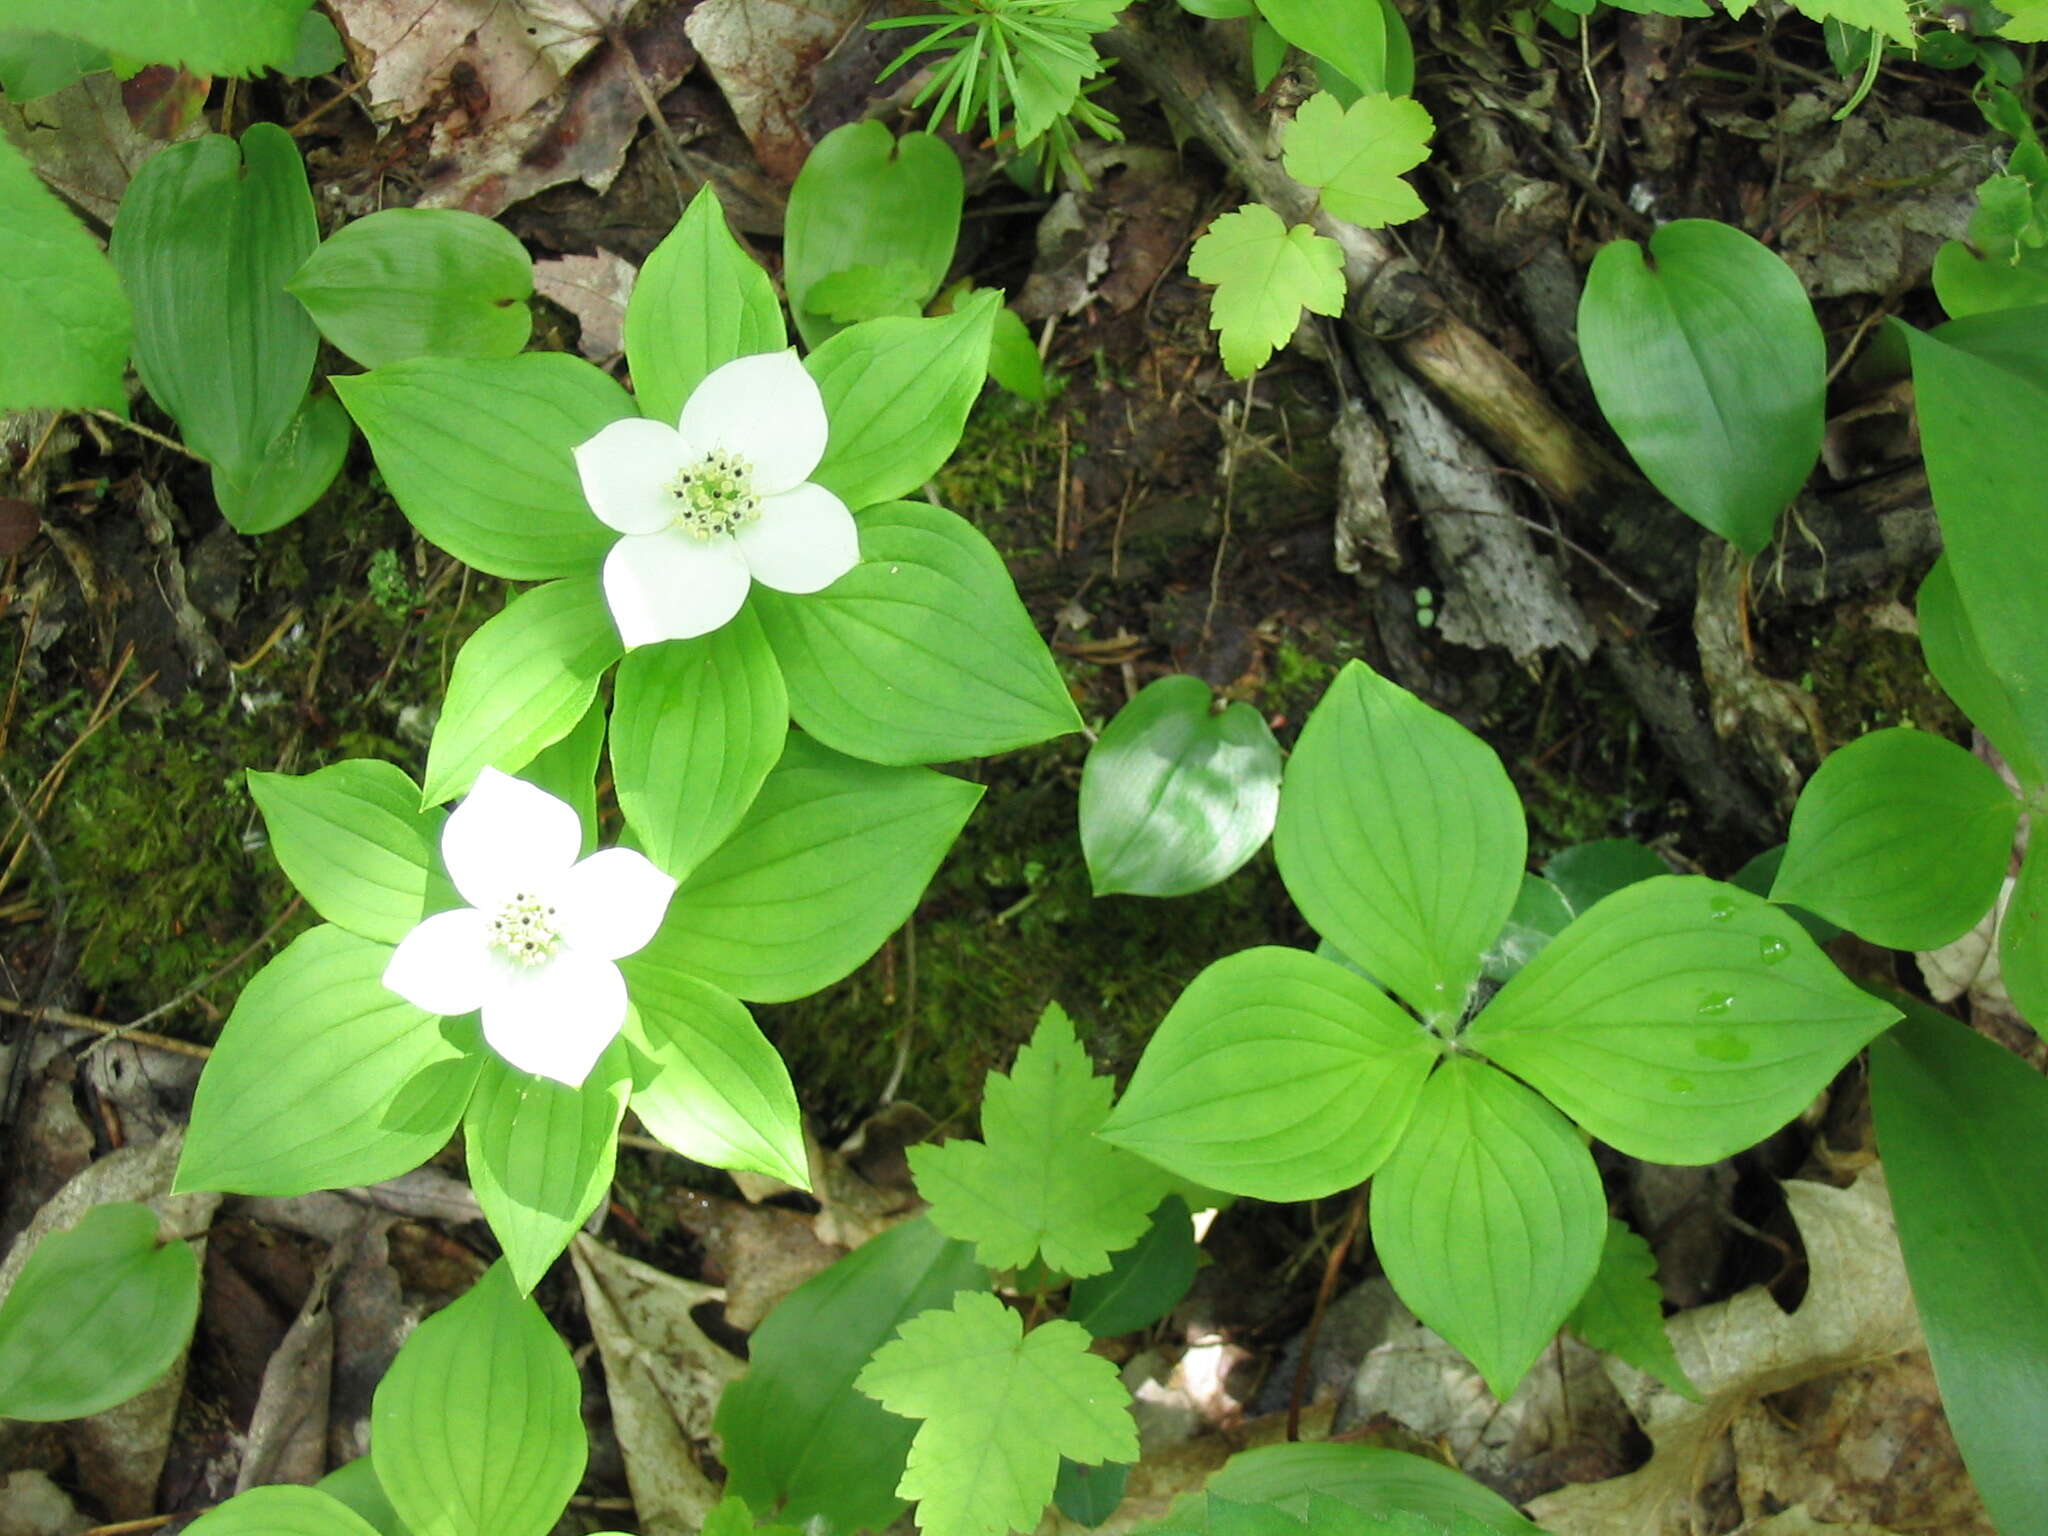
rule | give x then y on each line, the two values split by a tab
1010	446
1865	678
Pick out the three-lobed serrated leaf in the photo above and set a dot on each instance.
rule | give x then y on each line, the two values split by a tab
1892	18
1000	1408
1265	275
1622	1310
1356	158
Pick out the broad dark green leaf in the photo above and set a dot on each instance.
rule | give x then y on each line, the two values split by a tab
323	1077
355	1484
1901	837
866	198
1622	1311
1957	662
1959	1123
1276	1075
1680	1020
353	839
1352	37
476	1425
282	1510
839	851
96	1314
62	310
1757	877
700	302
1489	1218
207	236
922	653
800	1443
207	37
477	453
1370	1478
295	471
1400	838
1144	1282
1970	283
37	64
1709	365
2023	936
1587	873
1089	1495
419	282
1540	914
1176	795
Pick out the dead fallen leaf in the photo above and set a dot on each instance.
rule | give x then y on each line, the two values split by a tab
594	289
32	1505
763	1252
496	57
761	53
82	143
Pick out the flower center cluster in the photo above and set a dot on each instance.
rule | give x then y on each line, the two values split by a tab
524	930
715	495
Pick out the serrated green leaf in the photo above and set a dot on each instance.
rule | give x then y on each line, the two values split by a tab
1276	1075
1039	1182
353	839
62	310
1356	158
1957	662
1352	37
1892	18
1265	275
923	652
96	1314
1000	1408
207	37
295	471
1622	1311
1901	837
282	1511
1145	1281
1680	1020
476	1427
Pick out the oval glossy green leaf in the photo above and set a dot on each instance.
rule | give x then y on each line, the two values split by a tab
1370	1478
419	282
799	1441
700	301
96	1314
1353	37
1144	1282
1957	662
476	1427
1276	1075
353	839
323	1078
1679	1021
567	769
1901	837
1175	795
222	37
1489	1218
696	726
207	235
521	683
866	198
1757	878
66	320
1400	838
282	1511
707	1082
838	850
478	454
1709	365
1959	1124
295	471
1969	283
922	653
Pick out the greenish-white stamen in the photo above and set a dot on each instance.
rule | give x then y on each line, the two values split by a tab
524	930
715	495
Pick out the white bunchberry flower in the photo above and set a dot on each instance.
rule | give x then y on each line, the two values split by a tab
537	947
717	502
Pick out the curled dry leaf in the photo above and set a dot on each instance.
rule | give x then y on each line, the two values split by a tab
761	53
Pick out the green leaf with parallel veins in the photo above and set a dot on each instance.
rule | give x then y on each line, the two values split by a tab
354	1483
708	1083
1144	1282
1901	837
1175	795
295	470
798	1438
2023	937
897	393
353	839
1374	1480
1588	873
1276	1075
1356	158
476	1425
282	1510
1265	275
1680	1020
700	301
1352	37
1489	1218
323	1077
96	1314
838	850
216	37
1969	283
521	683
923	652
1622	1311
1000	1408
1957	662
1039	1182
478	454
1400	838
541	1156
62	310
567	769
419	282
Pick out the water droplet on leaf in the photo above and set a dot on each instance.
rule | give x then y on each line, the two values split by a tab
1772	950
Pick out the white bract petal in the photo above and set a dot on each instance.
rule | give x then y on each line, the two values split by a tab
628	471
556	1019
764	410
445	965
611	904
803	541
671	586
508	838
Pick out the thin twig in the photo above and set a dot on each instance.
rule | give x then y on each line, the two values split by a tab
17	1069
34	454
69	1020
1315	1322
889	1088
1244	427
154	436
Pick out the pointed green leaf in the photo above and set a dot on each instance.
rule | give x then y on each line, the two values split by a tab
1588	873
282	1510
95	1315
1400	838
1353	37
923	652
1089	1495
1356	158
1622	1311
2023	936
1276	1075
295	470
1144	1282
323	1077
476	1427
353	839
354	1483
66	320
38	64
207	37
1372	1479
1957	662
1265	275
1680	1020
1489	1218
567	769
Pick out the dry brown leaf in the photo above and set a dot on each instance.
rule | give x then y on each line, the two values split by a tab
82	143
594	289
763	1251
762	53
496	58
